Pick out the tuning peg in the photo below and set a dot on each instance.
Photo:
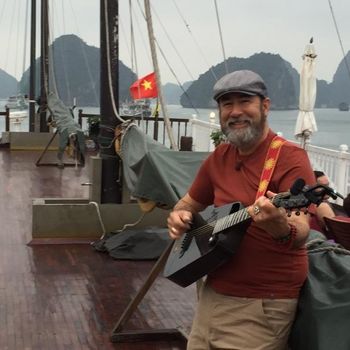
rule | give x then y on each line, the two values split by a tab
297	213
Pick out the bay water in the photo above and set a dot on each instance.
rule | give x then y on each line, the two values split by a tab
333	125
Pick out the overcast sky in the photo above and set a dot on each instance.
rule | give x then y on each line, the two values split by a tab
188	34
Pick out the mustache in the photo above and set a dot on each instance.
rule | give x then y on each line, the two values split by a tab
238	120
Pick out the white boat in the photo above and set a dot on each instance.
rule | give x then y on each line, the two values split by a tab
18	102
135	108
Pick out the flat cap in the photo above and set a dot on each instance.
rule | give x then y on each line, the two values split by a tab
240	81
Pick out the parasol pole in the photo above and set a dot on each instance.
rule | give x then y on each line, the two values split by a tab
156	70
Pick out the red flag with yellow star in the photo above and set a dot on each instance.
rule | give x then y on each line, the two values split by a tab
145	87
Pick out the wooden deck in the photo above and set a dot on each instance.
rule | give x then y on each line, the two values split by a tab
69	296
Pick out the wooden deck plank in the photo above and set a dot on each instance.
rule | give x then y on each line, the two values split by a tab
69	296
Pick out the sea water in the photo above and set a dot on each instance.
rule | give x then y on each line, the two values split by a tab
333	125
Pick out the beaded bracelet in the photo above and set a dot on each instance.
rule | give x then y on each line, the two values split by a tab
289	237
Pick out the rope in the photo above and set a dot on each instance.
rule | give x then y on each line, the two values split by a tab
196	42
168	64
333	248
92	81
220	33
173	45
131	225
25	37
10	36
103	228
339	38
133	46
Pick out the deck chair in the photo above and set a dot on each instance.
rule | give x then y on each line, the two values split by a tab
340	230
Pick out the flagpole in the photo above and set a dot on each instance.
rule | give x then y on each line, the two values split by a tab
156	70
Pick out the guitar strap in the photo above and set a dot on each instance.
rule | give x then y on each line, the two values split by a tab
270	163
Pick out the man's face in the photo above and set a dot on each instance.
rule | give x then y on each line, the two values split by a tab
323	180
243	118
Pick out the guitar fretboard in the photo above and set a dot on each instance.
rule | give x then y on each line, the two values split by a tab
230	220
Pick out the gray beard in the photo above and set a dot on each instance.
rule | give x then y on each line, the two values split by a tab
243	138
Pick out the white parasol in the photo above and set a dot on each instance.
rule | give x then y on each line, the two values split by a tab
306	123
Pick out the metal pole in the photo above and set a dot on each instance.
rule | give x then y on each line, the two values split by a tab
111	182
32	67
44	75
156	69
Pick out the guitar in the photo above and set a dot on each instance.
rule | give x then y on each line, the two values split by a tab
211	242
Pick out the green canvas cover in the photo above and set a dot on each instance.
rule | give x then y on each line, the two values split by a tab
65	123
154	172
323	317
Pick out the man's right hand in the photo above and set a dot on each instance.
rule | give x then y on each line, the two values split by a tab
179	221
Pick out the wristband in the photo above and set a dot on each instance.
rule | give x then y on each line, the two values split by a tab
289	237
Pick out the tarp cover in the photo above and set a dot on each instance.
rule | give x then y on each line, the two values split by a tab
322	321
153	172
64	122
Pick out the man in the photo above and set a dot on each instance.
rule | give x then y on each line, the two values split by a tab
250	301
321	178
323	209
346	204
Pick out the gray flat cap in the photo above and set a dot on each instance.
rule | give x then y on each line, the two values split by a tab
240	81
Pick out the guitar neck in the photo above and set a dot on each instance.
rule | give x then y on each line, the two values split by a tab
231	220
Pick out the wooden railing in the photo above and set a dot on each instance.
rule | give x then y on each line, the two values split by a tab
153	126
6	114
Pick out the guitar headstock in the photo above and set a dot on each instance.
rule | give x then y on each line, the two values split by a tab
301	196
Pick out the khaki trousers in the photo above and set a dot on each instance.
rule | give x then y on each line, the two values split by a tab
226	322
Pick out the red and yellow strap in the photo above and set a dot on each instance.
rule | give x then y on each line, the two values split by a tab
270	163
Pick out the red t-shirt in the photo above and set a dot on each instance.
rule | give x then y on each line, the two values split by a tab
262	268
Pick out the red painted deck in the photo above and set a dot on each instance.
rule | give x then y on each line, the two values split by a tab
70	296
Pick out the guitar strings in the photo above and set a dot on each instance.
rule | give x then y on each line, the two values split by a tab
225	222
229	220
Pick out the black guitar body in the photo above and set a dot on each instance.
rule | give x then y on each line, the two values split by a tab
192	257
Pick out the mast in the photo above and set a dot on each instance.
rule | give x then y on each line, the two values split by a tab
156	69
44	64
32	67
111	184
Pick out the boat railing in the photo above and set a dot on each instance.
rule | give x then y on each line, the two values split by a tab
153	126
334	163
6	114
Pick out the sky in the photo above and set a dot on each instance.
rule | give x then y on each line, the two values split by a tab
188	35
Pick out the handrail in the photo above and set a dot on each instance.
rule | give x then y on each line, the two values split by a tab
151	127
7	118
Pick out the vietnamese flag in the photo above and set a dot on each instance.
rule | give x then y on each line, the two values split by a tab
145	87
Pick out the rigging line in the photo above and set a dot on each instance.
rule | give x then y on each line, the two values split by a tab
175	76
339	38
10	34
147	50
51	52
2	10
92	81
126	42
25	36
53	55
220	33
66	80
110	85
196	43
134	66
171	69
172	44
17	45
